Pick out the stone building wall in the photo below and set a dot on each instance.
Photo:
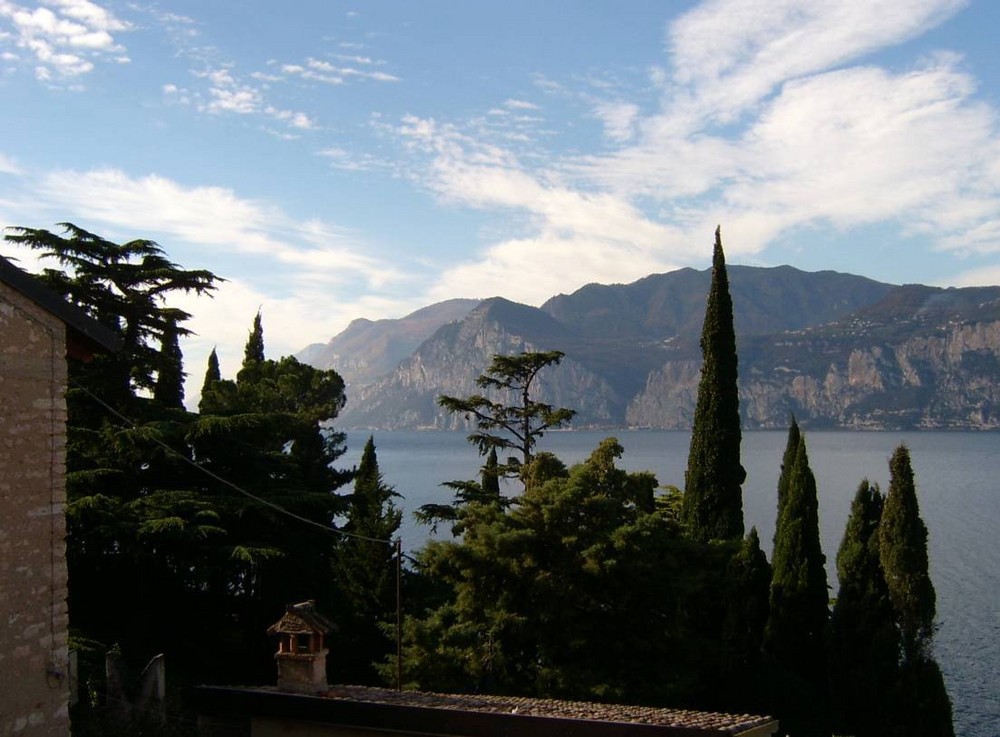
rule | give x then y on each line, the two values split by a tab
34	682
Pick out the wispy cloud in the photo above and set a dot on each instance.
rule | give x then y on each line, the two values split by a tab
8	165
520	105
769	44
572	234
227	94
215	217
779	128
62	39
619	119
317	70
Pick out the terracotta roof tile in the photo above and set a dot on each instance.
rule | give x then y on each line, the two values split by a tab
684	718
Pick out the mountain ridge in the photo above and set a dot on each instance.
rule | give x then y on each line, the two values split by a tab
835	349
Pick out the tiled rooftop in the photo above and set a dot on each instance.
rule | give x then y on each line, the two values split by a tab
727	723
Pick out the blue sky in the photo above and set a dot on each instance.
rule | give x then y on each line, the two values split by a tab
335	160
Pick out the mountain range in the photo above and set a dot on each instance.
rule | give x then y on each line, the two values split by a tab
838	351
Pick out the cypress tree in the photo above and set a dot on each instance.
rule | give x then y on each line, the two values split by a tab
903	552
253	351
169	389
748	579
713	499
491	475
212	373
799	598
920	704
787	461
863	641
366	569
218	396
794	636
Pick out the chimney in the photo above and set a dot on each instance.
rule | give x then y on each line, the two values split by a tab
302	651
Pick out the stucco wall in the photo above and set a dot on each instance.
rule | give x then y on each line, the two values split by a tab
34	690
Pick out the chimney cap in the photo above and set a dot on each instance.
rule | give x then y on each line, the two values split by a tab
301	618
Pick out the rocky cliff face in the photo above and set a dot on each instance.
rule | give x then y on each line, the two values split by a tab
458	353
948	380
367	350
837	351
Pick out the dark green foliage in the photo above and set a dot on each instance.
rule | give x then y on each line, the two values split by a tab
365	571
169	389
210	402
798	604
883	678
863	645
491	475
213	373
253	352
265	433
920	705
713	499
903	552
748	584
787	462
581	589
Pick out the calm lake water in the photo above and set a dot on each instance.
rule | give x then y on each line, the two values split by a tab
958	485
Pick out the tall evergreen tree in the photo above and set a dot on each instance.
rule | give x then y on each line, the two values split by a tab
787	462
713	499
491	475
799	597
517	425
863	645
169	389
501	425
268	434
366	571
903	552
920	704
212	372
253	352
748	580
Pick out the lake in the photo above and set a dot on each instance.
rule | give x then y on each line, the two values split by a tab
958	485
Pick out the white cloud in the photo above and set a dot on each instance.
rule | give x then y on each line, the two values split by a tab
619	119
8	166
557	262
577	235
317	70
987	276
214	217
227	94
727	55
65	37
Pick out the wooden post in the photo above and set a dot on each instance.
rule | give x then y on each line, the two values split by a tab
399	614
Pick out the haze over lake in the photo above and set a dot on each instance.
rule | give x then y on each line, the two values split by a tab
958	485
